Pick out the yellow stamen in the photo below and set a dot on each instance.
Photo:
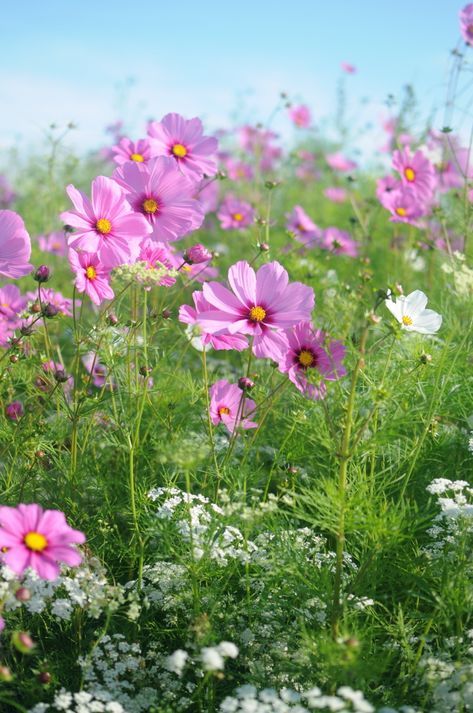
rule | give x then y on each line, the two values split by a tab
179	150
238	217
306	358
150	205
56	246
257	314
224	410
91	272
104	226
137	157
407	321
186	268
300	228
410	174
35	541
401	211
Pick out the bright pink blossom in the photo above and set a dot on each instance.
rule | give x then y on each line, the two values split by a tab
12	302
404	205
229	406
106	225
262	305
39	539
303	228
348	68
235	214
163	196
310	353
14	411
339	242
466	23
156	256
15	245
338	162
416	172
300	116
335	194
221	341
92	277
184	140
128	150
238	170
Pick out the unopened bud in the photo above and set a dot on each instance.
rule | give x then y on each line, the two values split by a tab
60	376
42	274
264	247
245	383
23	642
44	677
196	254
166	313
5	674
50	310
112	319
23	594
14	358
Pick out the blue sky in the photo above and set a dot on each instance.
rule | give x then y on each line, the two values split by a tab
95	61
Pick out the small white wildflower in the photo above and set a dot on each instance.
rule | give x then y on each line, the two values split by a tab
211	659
176	661
228	649
411	314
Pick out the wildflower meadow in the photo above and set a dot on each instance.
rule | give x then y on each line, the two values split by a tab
236	415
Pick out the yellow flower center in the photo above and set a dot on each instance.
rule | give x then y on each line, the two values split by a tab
224	410
179	150
407	321
150	205
306	358
35	541
137	157
410	174
104	226
257	314
56	246
469	29
186	268
238	217
300	228
401	211
91	272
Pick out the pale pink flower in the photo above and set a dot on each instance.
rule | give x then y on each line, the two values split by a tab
228	405
92	277
300	115
184	140
128	150
15	245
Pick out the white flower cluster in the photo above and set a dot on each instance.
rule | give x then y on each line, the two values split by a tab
449	681
142	273
455	498
461	274
81	702
248	699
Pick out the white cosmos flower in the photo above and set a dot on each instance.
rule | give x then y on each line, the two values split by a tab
410	312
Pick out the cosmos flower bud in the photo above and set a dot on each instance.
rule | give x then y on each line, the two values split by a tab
112	319
35	308
44	677
23	594
166	313
14	358
60	376
14	410
50	310
26	330
245	383
23	642
425	358
42	274
264	247
5	674
196	254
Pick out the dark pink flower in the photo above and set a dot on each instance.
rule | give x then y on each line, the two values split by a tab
39	539
311	355
404	205
229	406
235	214
300	115
262	305
466	23
348	68
106	225
15	245
92	277
339	242
14	411
196	254
303	228
163	196
221	341
184	140
417	173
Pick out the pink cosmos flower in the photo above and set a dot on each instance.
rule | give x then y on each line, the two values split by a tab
300	116
339	162
15	245
416	172
235	214
54	243
163	196
335	194
259	142
207	193
128	150
37	538
200	339
348	68
14	411
238	170
107	224
262	305
92	277
12	302
339	242
198	272
385	185
95	368
156	256
303	228
404	205
226	403
184	140
466	23
309	352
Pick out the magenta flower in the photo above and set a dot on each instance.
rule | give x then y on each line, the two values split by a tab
228	406
97	370
12	302
15	245
338	162
235	214
303	228
385	185
54	243
262	305
300	116
156	256
404	205
348	68
14	411
197	254
128	150
163	196
466	23
107	224
335	194
238	170
37	538
200	339
92	277
310	354
339	242
184	140
259	142
416	172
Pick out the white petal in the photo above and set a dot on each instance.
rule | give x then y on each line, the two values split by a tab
415	303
